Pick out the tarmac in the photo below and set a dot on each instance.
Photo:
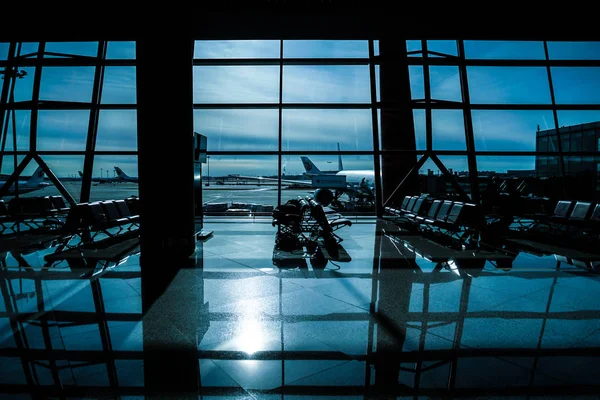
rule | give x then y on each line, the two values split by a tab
240	194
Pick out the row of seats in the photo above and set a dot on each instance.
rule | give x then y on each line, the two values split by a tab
32	207
570	213
303	221
100	216
445	214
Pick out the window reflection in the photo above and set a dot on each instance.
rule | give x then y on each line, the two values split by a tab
73	84
331	84
239	130
321	130
236	84
508	85
63	130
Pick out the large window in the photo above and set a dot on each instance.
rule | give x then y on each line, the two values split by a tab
50	118
264	105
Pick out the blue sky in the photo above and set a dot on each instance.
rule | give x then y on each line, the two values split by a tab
312	130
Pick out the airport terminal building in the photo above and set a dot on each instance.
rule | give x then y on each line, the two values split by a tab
348	204
574	138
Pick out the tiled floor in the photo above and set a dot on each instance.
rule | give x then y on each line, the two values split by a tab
386	324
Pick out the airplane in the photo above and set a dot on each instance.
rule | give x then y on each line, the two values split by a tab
35	182
308	165
359	182
359	185
123	177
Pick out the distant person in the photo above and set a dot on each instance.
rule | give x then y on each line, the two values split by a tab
491	194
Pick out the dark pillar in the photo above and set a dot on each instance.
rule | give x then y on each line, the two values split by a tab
397	268
397	125
174	320
165	132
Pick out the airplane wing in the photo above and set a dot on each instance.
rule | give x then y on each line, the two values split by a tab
260	178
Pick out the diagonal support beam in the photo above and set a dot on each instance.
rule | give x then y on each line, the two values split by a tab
415	167
461	192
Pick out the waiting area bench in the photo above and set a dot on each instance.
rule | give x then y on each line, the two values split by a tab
27	213
571	219
451	219
304	221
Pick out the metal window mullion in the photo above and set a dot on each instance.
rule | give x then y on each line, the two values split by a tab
561	162
468	123
36	98
88	163
280	122
376	146
4	111
427	89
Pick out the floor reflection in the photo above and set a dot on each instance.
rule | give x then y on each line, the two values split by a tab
397	318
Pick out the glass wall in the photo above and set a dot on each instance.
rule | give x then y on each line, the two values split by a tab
277	112
69	108
526	112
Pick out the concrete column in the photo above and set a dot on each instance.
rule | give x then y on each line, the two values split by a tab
397	125
165	131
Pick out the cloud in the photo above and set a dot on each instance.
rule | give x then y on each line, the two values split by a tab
67	83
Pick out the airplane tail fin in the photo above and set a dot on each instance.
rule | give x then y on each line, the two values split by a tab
120	173
309	167
340	165
36	178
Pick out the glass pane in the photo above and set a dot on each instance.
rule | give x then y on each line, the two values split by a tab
512	166
119	85
236	84
238	130
375	47
66	170
29	48
448	128
442	46
28	184
322	130
8	166
236	49
504	50
67	84
417	84
120	50
357	198
63	129
576	85
117	130
105	186
326	84
24	86
434	182
72	48
568	118
325	49
23	123
233	195
445	83
420	129
574	50
377	84
4	50
413	45
509	130
508	85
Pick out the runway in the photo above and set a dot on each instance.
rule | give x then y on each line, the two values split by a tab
264	195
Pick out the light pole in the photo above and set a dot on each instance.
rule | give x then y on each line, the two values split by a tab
208	170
